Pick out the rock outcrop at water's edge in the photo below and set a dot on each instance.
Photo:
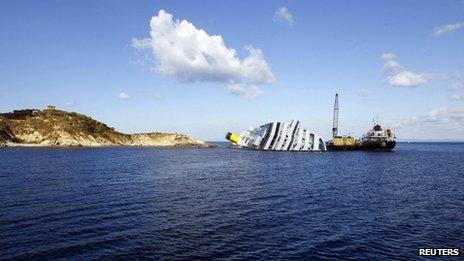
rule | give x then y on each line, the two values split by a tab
52	127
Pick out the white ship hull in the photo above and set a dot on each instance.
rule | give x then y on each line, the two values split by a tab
278	136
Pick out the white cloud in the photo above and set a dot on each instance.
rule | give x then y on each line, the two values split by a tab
364	93
140	44
69	104
283	14
190	54
123	96
392	67
397	75
245	91
445	118
457	97
408	79
456	86
438	119
446	29
436	115
388	56
457	83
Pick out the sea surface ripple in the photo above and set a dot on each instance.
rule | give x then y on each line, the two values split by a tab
106	203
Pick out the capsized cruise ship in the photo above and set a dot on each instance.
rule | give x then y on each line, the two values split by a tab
278	136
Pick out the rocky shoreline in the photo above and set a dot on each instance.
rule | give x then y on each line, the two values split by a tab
56	128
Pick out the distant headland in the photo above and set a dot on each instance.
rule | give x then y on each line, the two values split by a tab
53	127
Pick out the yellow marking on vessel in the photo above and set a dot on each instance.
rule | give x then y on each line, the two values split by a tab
344	141
234	138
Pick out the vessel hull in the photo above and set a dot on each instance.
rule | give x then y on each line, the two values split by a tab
378	145
342	147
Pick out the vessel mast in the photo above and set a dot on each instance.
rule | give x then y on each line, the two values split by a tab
335	118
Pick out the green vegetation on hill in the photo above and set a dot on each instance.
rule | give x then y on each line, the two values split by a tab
5	132
61	128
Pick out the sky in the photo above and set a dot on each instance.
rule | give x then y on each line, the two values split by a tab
208	67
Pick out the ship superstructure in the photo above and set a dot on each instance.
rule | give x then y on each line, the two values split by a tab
278	136
378	139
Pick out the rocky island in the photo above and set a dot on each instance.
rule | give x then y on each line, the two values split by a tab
52	127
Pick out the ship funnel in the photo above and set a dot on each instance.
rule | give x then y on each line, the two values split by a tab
233	137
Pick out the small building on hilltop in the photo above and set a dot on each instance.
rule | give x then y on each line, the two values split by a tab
50	108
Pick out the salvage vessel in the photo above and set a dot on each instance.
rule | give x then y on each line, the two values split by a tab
378	139
340	142
343	143
278	136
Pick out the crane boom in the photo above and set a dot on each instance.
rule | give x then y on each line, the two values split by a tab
335	118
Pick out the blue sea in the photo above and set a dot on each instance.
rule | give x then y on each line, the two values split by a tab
149	203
